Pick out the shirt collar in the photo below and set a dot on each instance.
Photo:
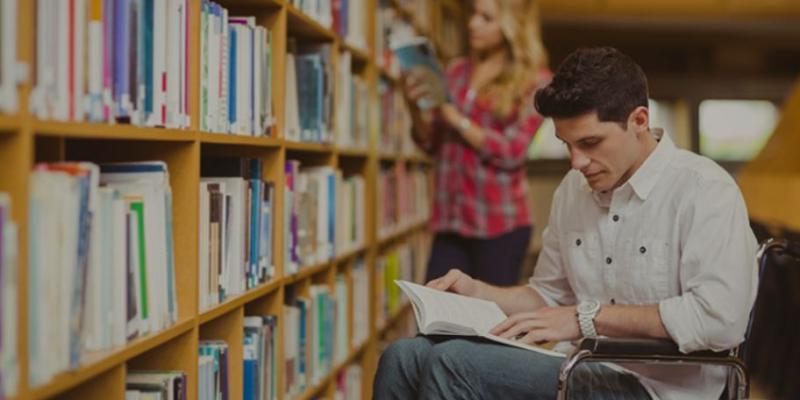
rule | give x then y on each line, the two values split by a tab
645	178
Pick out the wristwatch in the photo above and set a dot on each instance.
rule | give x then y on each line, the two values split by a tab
586	311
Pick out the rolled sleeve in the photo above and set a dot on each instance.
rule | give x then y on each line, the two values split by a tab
718	272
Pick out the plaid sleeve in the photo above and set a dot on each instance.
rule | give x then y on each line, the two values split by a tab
507	148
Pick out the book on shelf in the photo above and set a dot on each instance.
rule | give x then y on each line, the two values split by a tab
236	73
9	361
445	313
407	263
349	383
417	55
101	257
214	380
295	336
113	61
236	228
12	72
352	107
361	303
309	93
260	358
146	385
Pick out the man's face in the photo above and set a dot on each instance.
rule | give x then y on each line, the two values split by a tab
606	154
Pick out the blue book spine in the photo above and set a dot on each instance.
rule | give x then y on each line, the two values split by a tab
78	292
250	376
121	56
255	205
319	96
232	66
146	59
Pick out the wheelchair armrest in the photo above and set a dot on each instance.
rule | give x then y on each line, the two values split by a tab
615	347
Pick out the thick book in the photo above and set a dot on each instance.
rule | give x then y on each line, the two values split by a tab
418	54
444	313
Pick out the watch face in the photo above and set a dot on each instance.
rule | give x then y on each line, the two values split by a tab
588	307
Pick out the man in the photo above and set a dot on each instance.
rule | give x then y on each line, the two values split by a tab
644	240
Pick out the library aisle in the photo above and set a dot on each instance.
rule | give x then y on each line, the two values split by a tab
206	199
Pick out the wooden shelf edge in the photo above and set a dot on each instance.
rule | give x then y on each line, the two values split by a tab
402	232
10	123
308	147
229	139
305	272
106	131
238	301
107	360
307	26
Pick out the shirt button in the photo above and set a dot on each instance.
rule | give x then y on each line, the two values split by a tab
578	242
642	250
608	260
616	218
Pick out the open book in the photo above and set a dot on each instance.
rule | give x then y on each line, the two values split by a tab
443	313
418	54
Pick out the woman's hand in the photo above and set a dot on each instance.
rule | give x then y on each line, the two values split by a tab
457	282
415	87
548	324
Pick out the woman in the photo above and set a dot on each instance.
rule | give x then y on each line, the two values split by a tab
480	141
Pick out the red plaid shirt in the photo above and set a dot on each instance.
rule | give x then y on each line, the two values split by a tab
481	193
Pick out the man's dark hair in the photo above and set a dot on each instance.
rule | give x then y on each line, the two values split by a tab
600	79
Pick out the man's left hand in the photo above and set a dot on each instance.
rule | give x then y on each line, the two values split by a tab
548	324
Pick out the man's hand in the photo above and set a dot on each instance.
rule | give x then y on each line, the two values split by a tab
457	282
547	324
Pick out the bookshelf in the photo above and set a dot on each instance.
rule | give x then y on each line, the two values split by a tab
26	140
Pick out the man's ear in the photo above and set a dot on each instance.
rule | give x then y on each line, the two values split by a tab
639	120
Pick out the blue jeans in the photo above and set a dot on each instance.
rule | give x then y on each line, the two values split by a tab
434	367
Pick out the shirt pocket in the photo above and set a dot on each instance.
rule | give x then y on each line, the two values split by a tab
649	275
584	261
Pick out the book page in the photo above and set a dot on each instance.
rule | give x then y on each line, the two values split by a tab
455	313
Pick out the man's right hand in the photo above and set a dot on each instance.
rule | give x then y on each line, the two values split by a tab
457	282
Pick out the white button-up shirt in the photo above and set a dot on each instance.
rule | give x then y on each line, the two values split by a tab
677	235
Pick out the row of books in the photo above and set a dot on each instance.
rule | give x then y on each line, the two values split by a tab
9	364
352	106
346	17
316	334
324	215
349	383
395	121
407	262
360	306
260	358
113	60
309	93
390	28
156	385
101	260
213	379
236	228
235	73
403	198
11	71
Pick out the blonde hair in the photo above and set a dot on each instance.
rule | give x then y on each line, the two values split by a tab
519	23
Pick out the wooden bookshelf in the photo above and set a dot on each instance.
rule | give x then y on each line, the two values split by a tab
25	140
